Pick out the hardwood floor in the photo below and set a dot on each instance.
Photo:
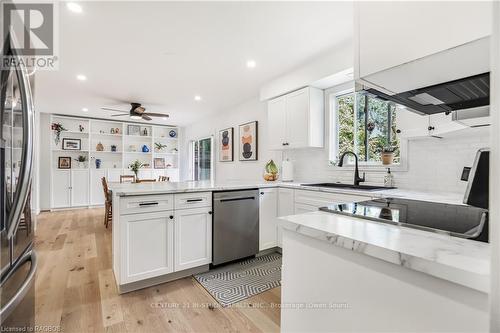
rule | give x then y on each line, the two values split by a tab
75	288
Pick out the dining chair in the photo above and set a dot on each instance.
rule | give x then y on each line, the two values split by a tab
108	203
163	178
127	179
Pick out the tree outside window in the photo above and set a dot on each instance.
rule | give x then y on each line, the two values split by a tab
366	125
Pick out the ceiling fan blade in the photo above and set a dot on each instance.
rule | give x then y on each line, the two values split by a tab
145	117
111	109
152	114
119	115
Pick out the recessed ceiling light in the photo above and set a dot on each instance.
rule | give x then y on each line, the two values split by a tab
197	98
81	77
85	110
74	7
251	64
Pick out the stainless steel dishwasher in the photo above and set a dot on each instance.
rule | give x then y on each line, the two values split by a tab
235	225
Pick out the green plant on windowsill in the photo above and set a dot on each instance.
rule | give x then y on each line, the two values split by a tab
388	155
135	166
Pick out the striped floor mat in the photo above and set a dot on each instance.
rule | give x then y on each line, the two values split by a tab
236	282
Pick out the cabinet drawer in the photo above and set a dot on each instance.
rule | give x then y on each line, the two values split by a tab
146	204
193	200
321	199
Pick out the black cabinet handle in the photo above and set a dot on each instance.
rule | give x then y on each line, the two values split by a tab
283	144
398	131
261	193
194	200
171	217
210	212
431	128
142	204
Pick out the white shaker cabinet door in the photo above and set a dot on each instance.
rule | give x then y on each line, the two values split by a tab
96	190
147	245
297	119
61	189
276	115
193	237
79	187
268	213
285	207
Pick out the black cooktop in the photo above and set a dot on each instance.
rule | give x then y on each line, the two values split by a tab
456	220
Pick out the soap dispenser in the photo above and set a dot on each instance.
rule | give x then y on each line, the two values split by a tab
388	178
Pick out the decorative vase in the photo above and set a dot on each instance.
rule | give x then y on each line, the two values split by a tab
387	158
113	147
145	149
99	147
98	163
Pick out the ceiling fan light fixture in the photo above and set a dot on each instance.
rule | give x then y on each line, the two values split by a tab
135	117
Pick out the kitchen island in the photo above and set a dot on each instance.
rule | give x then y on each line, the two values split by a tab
163	230
338	269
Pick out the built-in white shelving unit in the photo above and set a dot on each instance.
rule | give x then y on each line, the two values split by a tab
123	143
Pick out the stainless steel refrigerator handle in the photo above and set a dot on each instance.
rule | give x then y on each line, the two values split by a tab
24	180
23	290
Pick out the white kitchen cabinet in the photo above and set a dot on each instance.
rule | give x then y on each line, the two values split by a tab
389	34
79	187
411	125
192	238
268	214
147	245
276	113
296	120
301	208
285	207
96	190
61	188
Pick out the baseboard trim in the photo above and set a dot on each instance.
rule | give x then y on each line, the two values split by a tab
126	288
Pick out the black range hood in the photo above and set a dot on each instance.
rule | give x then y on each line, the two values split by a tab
465	93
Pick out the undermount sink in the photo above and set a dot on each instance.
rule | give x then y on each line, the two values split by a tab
350	186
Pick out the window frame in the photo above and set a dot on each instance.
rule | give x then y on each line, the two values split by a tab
331	95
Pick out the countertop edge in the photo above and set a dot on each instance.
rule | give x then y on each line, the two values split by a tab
470	279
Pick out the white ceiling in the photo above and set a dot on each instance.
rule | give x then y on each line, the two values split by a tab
162	54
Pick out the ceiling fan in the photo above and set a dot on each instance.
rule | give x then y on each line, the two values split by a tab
136	112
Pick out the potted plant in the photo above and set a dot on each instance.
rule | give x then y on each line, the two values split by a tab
159	147
271	171
388	155
57	128
81	159
135	166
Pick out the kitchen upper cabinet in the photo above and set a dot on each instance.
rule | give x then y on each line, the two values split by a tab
285	207
412	125
61	188
276	113
148	248
193	238
389	34
268	214
296	120
80	187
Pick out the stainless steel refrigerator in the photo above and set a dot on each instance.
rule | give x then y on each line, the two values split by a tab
17	257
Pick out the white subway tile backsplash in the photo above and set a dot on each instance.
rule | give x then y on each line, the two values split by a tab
434	165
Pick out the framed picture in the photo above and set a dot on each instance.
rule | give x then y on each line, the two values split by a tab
71	144
226	145
248	139
64	162
159	163
134	129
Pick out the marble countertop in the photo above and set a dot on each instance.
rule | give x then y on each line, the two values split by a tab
461	261
128	189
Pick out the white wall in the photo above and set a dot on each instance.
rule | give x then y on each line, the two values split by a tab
248	111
